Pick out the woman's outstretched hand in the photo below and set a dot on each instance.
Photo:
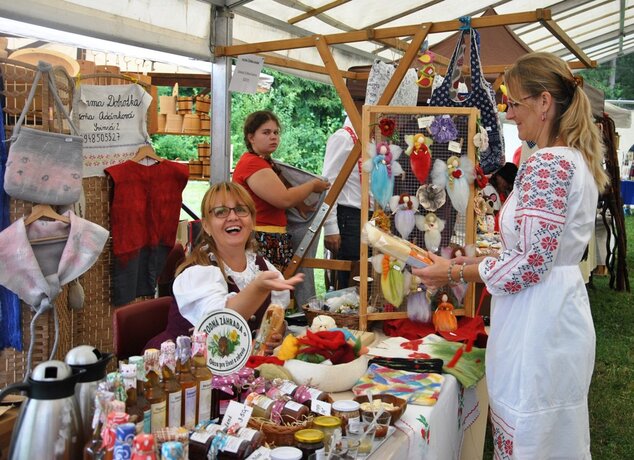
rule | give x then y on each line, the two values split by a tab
272	281
320	185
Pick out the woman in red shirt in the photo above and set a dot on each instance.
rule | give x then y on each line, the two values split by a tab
257	173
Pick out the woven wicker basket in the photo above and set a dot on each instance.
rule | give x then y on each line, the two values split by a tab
278	435
347	320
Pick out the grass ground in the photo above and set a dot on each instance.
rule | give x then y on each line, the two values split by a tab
611	398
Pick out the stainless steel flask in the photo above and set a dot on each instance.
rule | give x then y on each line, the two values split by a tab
94	363
48	426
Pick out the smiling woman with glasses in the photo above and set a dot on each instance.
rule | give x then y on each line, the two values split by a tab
541	346
223	270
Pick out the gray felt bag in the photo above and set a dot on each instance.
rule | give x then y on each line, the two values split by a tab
44	167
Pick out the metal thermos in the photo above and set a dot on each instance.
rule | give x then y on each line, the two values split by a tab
94	363
48	426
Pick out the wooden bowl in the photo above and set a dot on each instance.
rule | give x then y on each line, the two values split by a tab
399	403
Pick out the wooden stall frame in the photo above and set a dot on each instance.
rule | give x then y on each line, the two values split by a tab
369	113
418	32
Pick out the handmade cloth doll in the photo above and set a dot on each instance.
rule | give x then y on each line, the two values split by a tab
432	226
456	175
419	155
443	318
404	208
394	278
383	167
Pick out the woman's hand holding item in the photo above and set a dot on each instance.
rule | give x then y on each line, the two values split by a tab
320	185
435	276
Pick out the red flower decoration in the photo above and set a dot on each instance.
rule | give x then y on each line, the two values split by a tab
481	179
457	173
387	127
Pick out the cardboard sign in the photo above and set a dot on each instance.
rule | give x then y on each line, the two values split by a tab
246	73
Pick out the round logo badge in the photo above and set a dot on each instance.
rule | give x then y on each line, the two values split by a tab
228	341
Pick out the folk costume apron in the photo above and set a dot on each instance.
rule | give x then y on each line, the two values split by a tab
541	347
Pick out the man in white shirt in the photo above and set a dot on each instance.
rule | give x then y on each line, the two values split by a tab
342	228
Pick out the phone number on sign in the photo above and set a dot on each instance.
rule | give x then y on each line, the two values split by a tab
101	137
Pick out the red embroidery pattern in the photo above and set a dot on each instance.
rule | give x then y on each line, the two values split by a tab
502	438
542	202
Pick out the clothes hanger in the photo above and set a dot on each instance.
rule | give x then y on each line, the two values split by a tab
146	151
44	210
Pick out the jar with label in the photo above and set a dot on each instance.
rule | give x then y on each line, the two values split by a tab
348	411
310	441
304	395
294	412
255	437
287	387
261	405
327	424
230	447
286	453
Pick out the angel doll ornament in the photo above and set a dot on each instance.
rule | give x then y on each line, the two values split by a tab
404	208
419	155
432	226
383	166
456	176
395	280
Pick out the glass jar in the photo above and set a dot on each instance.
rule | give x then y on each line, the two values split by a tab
310	441
348	411
232	447
294	412
327	424
286	453
261	405
256	438
304	395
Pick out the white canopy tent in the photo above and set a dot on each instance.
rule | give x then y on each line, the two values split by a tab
194	30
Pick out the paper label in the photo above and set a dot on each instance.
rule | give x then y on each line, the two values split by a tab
175	404
237	415
204	400
190	407
246	73
201	436
454	147
320	407
424	122
287	387
261	453
232	445
159	410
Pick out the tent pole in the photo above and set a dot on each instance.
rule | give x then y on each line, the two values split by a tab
222	31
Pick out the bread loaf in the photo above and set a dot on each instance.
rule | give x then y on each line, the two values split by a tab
272	323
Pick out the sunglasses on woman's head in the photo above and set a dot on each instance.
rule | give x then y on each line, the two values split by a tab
222	212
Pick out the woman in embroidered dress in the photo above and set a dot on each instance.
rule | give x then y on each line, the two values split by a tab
540	352
223	271
256	172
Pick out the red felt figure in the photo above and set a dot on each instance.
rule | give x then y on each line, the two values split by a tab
443	318
419	155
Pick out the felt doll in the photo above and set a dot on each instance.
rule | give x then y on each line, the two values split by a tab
419	155
383	167
443	318
432	226
418	302
322	323
393	278
456	175
404	208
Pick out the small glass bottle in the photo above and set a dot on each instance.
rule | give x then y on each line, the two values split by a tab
171	386
132	408
124	435
94	448
143	447
154	390
144	404
310	441
203	376
262	405
187	381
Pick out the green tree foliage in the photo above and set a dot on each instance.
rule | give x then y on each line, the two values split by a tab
308	111
623	87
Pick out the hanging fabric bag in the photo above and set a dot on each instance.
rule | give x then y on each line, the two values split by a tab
481	97
44	167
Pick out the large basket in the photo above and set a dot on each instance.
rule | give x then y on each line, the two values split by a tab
278	435
347	320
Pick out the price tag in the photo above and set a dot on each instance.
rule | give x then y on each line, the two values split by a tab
261	453
320	407
237	415
454	147
424	122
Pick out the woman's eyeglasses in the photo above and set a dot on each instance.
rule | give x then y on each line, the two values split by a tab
512	105
222	212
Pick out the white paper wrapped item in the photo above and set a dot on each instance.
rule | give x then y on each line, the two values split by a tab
394	246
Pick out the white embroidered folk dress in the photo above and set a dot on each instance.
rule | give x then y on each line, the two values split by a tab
540	352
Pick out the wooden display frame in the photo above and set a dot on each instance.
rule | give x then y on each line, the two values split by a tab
369	124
